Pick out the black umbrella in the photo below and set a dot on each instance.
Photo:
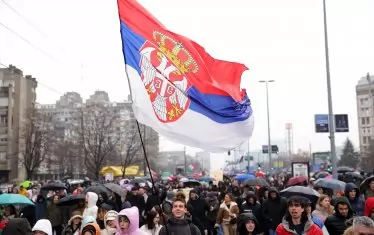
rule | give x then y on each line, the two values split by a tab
344	169
365	184
71	200
355	175
54	186
98	189
329	184
115	188
256	182
307	192
138	181
321	174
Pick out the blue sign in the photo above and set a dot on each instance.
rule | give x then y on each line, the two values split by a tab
321	123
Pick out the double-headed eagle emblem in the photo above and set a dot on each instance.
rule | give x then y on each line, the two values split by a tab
164	67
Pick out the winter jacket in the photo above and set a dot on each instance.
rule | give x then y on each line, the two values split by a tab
335	223
273	210
309	228
180	227
358	202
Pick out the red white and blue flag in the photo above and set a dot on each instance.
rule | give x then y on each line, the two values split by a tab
178	89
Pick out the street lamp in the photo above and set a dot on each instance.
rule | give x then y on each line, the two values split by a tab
329	98
268	116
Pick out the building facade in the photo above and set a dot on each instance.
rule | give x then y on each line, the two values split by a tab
365	115
67	115
17	97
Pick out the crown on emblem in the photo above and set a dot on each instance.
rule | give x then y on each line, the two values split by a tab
176	53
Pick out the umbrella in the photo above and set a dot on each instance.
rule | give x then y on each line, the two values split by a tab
256	182
71	200
344	169
191	183
329	184
307	192
184	180
138	181
98	189
321	174
244	177
115	188
15	199
365	184
205	179
297	180
54	186
355	175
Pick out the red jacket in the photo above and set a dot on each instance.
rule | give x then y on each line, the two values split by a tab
313	230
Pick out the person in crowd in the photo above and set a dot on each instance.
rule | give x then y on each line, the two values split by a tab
91	229
179	223
17	226
167	204
297	219
163	218
54	214
40	207
370	191
152	226
227	215
273	210
362	225
251	205
91	208
323	208
110	223
128	222
74	224
212	213
335	223
352	192
369	207
248	225
42	227
199	208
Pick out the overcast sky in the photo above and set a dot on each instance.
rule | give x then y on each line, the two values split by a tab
77	47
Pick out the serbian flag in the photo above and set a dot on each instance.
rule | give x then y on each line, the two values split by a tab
178	89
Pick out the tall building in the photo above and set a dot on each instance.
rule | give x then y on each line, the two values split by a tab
66	115
204	159
365	115
17	97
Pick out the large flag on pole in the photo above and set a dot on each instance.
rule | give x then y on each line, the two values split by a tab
178	89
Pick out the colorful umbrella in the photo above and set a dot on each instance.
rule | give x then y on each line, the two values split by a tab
15	199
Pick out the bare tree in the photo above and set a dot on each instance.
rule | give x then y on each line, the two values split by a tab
67	152
97	133
132	149
35	142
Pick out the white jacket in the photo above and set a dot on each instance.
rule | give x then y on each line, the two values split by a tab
91	208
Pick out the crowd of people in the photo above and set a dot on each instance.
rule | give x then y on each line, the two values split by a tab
170	209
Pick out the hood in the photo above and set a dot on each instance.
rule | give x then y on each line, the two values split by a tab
44	226
343	200
195	192
87	220
369	205
92	227
110	215
349	187
18	226
73	217
251	195
91	199
275	190
243	219
133	215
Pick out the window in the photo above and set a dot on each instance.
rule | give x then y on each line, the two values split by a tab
2	156
365	140
363	121
367	121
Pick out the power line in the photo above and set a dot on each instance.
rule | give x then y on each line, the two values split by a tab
25	19
29	42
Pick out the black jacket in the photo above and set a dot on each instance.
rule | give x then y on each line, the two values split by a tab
335	223
243	219
179	227
273	210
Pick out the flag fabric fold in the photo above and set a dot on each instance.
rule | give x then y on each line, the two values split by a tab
178	89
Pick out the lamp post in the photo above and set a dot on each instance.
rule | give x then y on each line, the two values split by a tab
268	117
329	98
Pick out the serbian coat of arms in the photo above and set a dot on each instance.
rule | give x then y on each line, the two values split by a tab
164	65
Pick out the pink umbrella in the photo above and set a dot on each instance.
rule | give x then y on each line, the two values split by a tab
328	177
